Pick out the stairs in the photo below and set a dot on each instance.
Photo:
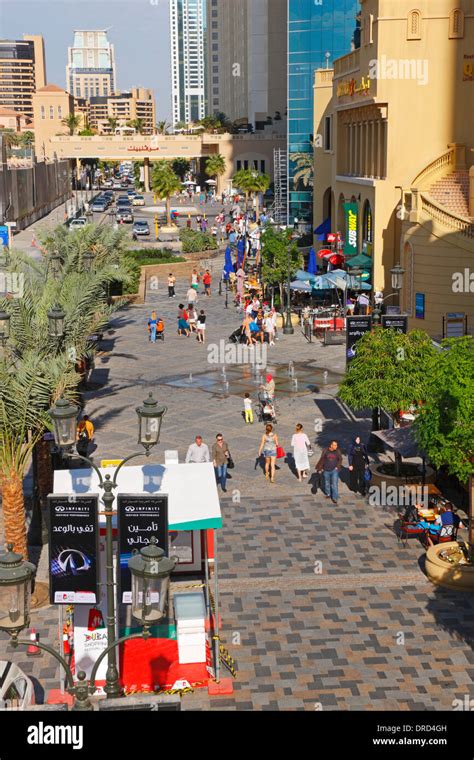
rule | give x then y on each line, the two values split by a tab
452	192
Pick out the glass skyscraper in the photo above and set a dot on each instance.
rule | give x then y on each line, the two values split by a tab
315	28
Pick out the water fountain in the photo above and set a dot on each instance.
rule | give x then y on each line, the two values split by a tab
325	376
190	379
291	369
295	385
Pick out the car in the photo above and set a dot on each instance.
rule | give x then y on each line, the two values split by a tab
108	183
131	193
16	689
141	228
124	215
123	199
99	205
78	224
138	200
117	184
109	195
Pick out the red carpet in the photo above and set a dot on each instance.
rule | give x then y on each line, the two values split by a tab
152	665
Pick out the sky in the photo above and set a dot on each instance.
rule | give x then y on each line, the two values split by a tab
139	30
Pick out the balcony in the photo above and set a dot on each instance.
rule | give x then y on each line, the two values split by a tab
347	64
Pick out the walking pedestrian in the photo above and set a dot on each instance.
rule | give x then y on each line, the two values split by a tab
183	322
201	327
171	285
301	448
153	326
207	282
330	464
85	435
192	317
198	452
192	296
358	463
248	409
269	448
194	282
220	459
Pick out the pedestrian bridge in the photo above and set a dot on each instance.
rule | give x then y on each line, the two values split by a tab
135	147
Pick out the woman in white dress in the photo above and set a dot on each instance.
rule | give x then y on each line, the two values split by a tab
301	443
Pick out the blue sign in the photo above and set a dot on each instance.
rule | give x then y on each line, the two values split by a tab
420	306
4	238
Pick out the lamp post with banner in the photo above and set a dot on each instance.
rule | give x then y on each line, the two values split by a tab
150	417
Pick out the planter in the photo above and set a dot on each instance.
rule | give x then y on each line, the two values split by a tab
392	480
441	572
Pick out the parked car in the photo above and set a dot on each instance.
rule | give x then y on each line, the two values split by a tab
138	200
123	199
99	205
108	183
78	224
141	228
16	689
124	215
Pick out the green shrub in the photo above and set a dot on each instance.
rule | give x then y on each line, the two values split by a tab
195	242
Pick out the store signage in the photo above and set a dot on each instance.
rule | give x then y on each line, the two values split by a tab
455	325
140	518
352	87
351	211
357	327
73	549
397	323
468	68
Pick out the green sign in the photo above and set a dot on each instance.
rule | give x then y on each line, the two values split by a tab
351	211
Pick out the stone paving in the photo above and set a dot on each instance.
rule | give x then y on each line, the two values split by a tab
321	607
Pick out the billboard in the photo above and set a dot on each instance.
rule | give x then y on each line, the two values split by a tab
73	549
357	327
139	518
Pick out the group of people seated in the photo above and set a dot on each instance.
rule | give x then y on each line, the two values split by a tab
445	526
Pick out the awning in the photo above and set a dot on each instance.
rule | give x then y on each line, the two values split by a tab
324	228
193	499
401	440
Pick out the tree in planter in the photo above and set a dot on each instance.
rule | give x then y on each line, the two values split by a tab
278	249
244	181
72	122
138	125
259	183
163	127
165	184
389	371
445	426
113	123
215	168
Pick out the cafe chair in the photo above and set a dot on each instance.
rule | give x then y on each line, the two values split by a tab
408	530
447	533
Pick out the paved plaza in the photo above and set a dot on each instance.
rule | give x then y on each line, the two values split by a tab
322	609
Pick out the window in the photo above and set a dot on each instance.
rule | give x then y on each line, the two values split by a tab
43	113
262	166
239	165
456	24
414	25
51	112
328	133
60	115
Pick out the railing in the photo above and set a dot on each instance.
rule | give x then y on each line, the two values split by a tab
455	223
323	76
346	64
441	166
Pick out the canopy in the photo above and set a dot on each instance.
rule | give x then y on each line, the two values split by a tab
344	281
362	261
211	182
193	500
401	440
301	287
323	229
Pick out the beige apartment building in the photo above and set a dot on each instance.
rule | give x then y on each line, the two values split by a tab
22	72
138	103
394	135
51	105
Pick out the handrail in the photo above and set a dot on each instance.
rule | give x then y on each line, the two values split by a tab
425	178
459	224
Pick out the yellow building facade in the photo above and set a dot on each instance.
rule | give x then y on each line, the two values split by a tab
394	134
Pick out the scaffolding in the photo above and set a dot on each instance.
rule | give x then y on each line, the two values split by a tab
280	207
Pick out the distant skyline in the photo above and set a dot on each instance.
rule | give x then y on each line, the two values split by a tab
138	29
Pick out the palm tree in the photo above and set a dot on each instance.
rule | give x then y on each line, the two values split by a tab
72	122
113	123
259	184
138	125
165	184
243	180
37	369
162	127
215	167
304	169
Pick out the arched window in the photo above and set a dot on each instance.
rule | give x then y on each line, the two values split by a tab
367	225
414	25
456	24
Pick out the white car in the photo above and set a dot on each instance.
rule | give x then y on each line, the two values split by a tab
78	224
16	689
138	200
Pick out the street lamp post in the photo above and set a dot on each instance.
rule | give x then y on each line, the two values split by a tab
150	571
150	418
56	317
397	284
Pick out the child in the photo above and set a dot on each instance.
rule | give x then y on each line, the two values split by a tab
248	409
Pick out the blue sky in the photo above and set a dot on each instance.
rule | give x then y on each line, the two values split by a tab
139	30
